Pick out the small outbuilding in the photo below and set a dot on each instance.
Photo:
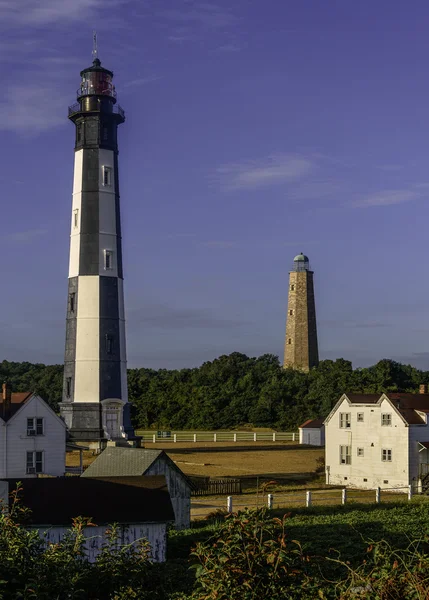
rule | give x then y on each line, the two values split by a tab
312	432
117	461
140	506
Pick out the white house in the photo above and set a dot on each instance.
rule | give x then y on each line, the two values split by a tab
124	461
377	440
140	506
32	436
312	432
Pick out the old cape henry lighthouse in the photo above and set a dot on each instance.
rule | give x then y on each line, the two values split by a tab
95	401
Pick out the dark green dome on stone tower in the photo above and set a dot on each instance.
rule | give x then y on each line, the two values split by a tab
301	258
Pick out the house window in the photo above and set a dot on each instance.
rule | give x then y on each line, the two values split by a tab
360	451
360	417
345	420
72	302
109	343
345	455
386	419
34	426
386	455
292	287
107	176
34	462
108	260
68	386
76	218
291	312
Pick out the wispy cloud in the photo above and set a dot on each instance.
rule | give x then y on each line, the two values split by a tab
167	317
24	109
386	198
203	13
272	170
227	48
390	167
338	323
43	12
25	236
219	244
142	80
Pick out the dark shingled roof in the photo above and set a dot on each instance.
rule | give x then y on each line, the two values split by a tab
407	404
364	398
57	500
312	423
16	401
116	461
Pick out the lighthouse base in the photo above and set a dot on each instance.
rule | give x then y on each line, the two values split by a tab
96	423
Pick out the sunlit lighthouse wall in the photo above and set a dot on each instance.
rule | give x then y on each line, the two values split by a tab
95	400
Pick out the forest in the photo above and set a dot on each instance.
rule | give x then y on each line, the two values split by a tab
231	391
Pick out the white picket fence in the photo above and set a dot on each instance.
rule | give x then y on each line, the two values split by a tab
217	436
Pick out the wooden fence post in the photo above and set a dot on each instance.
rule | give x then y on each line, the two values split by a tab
254	437
229	504
377	495
235	437
343	496
270	500
174	437
214	437
410	492
293	437
195	437
308	498
274	436
154	438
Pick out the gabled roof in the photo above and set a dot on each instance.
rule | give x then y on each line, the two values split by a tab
31	397
312	423
408	406
16	401
57	500
116	461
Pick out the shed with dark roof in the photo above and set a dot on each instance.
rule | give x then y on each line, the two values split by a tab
312	432
116	461
141	507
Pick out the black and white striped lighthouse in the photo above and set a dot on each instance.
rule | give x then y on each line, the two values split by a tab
95	399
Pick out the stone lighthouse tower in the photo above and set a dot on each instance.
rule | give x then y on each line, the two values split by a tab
301	351
95	400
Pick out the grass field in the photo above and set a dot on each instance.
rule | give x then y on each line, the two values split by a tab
340	532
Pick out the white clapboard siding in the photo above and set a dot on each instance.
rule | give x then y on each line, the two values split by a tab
369	470
155	533
179	489
15	442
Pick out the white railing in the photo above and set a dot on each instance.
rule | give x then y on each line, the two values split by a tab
217	436
308	498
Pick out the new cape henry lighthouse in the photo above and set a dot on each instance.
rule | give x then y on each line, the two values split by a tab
95	400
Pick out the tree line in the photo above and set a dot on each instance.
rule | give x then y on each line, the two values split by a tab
232	390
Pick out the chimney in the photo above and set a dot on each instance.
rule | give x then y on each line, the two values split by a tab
6	399
423	388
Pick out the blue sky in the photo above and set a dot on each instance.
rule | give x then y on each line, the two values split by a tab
256	129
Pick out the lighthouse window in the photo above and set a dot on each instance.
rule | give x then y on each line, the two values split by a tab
76	218
109	344
107	176
292	288
68	386
72	302
291	312
289	341
108	260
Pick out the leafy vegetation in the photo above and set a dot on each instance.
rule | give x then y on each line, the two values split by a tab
342	552
231	390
